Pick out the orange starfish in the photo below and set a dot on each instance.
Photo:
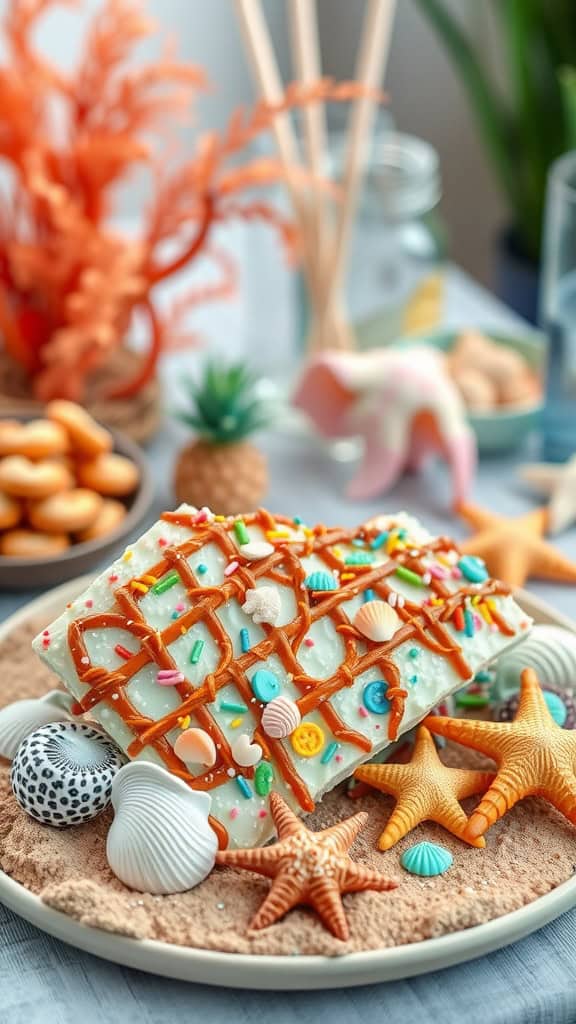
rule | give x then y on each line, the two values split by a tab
307	867
536	757
425	790
514	549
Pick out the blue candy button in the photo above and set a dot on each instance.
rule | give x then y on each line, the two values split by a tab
473	569
265	685
374	697
556	707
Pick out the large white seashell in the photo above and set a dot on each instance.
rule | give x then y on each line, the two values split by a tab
378	621
549	650
280	718
160	840
18	720
263	604
246	753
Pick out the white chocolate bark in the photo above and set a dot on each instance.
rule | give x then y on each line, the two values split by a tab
426	676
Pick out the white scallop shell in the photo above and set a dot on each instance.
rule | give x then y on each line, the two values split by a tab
263	604
378	621
18	720
549	650
280	718
257	549
246	753
160	840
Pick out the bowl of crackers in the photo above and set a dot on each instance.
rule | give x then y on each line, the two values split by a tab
71	491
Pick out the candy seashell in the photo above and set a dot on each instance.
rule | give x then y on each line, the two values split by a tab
196	746
62	773
549	650
377	621
257	549
246	753
18	720
280	718
160	840
320	580
263	605
426	859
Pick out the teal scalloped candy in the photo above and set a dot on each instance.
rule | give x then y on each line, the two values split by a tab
426	860
473	569
320	580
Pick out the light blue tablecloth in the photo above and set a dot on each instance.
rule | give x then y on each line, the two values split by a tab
43	981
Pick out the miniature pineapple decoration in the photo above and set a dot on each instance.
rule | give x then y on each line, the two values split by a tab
221	468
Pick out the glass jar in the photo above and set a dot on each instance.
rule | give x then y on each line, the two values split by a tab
395	279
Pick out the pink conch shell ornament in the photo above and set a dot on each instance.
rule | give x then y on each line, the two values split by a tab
403	404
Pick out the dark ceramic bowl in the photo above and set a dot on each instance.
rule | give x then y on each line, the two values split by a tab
31	573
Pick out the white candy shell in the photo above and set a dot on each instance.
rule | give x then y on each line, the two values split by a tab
280	718
549	650
160	840
18	720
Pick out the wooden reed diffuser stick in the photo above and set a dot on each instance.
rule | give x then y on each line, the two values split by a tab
370	68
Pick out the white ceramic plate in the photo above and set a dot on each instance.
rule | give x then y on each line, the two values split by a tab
235	970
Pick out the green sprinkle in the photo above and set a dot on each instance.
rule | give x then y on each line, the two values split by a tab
244	640
472	700
468	623
359	558
233	705
196	652
369	595
242	535
244	787
201	569
379	540
175	615
263	778
413	652
329	753
408	576
165	584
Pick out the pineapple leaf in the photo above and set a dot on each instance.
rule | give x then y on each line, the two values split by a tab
223	405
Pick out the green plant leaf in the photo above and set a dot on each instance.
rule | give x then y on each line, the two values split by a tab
567	78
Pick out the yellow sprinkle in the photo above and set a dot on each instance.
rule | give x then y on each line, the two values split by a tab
127	556
151	580
476	600
183	630
485	613
445	561
219	519
337	552
437	600
136	585
347	576
277	534
235	723
492	604
307	531
184	722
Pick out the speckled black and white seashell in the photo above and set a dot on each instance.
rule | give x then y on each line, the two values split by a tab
62	773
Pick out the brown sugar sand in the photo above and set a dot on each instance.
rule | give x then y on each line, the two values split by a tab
529	852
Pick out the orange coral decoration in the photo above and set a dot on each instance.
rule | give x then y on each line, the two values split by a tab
69	282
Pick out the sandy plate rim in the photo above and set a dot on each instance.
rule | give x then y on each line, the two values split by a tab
248	970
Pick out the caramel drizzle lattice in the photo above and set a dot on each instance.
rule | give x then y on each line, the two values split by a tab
423	624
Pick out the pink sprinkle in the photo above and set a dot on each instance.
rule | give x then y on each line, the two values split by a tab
201	517
456	573
338	757
477	621
437	572
230	568
234	812
308	642
262	813
376	726
89	602
362	712
162	542
169	677
112	578
180	607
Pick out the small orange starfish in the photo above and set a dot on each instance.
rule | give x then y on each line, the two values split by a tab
307	867
514	549
425	790
536	757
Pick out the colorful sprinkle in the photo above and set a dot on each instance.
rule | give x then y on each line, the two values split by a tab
328	754
196	652
413	680
473	569
234	812
127	556
413	652
244	641
231	567
113	578
175	615
236	723
347	576
408	576
437	572
180	607
141	587
184	721
485	613
201	569
162	542
458	620
468	623
232	705
379	541
362	712
262	813
358	542
369	595
169	677
277	534
263	778
244	787
165	584
308	642
242	535
297	520
122	652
